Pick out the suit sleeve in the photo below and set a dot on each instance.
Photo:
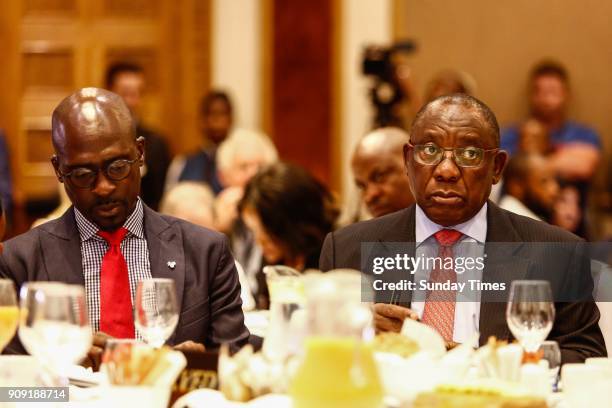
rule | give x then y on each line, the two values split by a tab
576	326
326	259
227	319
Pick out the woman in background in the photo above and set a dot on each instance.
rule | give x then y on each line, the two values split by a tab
290	213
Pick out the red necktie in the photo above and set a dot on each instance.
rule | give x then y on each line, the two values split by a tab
439	311
116	314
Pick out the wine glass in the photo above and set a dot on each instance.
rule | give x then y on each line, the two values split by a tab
9	312
156	310
54	326
530	313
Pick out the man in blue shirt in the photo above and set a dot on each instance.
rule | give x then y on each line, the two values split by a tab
576	149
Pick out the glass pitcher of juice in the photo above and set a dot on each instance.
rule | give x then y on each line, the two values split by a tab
338	368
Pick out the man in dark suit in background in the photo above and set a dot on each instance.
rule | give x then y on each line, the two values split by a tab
98	157
452	160
128	81
216	120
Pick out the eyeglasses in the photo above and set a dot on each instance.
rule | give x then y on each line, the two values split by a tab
82	177
431	154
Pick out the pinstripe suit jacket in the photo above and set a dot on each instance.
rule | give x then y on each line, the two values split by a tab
576	323
204	272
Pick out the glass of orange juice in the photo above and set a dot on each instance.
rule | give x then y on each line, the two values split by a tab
9	312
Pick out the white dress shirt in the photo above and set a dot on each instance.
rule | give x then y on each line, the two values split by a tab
467	313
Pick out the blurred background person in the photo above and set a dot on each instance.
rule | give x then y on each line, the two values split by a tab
576	148
239	158
289	213
216	120
379	171
448	82
191	201
6	182
128	81
534	138
567	213
2	226
530	187
194	202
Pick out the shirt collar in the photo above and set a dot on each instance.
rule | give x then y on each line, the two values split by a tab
475	227
134	223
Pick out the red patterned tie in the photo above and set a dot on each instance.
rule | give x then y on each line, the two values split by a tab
116	315
439	311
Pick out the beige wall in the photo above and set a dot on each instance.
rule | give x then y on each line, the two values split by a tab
236	42
363	22
498	41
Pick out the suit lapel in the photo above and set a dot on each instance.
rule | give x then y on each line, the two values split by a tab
503	264
166	254
61	248
389	240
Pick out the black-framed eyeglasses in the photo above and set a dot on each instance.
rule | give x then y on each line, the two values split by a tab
83	177
431	154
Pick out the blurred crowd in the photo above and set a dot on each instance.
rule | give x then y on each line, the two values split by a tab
275	212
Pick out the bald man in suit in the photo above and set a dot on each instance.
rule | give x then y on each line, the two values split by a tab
97	158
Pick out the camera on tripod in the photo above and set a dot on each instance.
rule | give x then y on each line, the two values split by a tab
386	93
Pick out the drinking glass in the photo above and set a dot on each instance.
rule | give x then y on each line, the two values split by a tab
552	353
156	310
284	332
530	313
54	326
9	312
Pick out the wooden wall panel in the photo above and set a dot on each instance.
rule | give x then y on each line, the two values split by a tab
131	8
302	71
49	70
49	7
39	147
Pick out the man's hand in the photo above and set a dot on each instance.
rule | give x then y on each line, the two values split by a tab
94	355
190	346
391	317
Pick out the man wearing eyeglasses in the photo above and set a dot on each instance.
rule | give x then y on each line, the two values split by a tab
109	240
452	160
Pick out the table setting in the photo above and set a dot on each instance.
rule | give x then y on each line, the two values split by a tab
320	349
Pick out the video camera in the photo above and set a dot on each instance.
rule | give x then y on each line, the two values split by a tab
386	93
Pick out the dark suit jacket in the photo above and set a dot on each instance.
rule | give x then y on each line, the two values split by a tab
576	323
205	274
